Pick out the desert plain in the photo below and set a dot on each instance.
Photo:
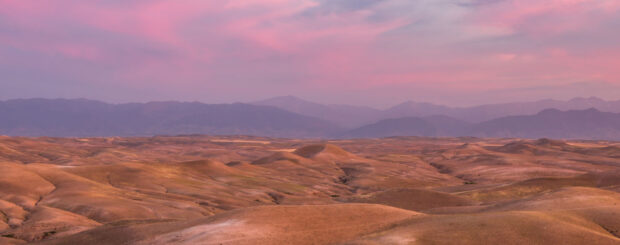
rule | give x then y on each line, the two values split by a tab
254	190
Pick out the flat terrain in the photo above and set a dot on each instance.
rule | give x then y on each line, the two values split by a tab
251	190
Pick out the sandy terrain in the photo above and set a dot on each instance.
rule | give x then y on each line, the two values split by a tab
251	190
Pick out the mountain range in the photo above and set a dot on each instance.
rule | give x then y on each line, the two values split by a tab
550	123
80	117
355	116
583	118
347	116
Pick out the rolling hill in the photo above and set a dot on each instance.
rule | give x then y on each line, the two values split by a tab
254	190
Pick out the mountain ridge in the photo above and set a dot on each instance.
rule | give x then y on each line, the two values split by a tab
473	114
79	117
90	118
343	115
549	123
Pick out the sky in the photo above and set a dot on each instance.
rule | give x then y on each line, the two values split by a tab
365	52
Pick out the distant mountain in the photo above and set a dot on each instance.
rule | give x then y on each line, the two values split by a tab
345	115
549	123
553	123
434	126
355	116
491	111
416	109
61	117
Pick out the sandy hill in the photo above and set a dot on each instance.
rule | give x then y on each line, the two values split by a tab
252	190
310	224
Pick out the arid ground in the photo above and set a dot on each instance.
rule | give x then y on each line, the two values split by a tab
248	190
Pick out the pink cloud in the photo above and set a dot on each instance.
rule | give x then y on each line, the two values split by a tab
182	45
549	17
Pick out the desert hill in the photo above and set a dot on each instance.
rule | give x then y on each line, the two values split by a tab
309	224
399	190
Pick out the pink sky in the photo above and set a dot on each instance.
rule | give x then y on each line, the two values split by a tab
373	52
